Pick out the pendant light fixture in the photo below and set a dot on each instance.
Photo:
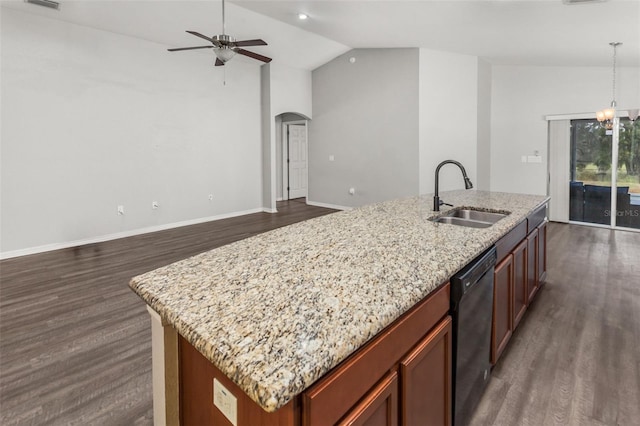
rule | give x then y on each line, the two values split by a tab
606	116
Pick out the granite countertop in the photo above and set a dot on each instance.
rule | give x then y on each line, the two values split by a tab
277	311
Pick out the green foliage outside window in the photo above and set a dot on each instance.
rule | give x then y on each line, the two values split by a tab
592	153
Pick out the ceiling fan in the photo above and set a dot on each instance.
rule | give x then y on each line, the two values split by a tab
225	47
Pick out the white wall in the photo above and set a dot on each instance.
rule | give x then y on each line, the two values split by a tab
365	115
289	91
448	118
483	162
267	149
523	95
91	120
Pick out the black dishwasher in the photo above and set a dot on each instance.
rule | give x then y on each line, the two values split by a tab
471	310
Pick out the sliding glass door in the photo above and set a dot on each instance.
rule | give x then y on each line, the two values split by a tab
593	174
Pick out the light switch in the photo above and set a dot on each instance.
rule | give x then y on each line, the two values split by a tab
523	158
534	159
331	158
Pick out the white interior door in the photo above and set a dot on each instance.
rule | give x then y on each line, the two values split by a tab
297	160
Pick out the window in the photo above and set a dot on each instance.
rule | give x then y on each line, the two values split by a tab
592	174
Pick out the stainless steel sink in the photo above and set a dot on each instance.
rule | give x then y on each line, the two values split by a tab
470	218
462	222
481	216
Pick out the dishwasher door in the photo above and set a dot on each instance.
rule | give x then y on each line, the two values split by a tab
472	309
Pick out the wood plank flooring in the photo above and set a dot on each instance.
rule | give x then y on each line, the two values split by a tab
75	342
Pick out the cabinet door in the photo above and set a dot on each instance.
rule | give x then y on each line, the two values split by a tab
334	395
542	253
520	295
379	407
502	324
426	379
532	265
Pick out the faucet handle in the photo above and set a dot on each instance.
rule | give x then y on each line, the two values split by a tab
442	203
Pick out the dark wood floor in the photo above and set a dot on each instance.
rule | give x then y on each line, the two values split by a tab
75	341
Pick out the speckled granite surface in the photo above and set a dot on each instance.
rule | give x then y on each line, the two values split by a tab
277	311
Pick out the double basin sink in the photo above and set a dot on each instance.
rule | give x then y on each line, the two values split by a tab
470	218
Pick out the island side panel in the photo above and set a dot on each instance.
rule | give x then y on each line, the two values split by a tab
164	354
197	401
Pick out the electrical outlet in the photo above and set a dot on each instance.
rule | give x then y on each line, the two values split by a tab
210	197
155	205
225	401
120	210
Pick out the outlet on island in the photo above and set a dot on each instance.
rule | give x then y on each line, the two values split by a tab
225	402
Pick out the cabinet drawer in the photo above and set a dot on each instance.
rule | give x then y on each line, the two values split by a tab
536	218
506	244
332	397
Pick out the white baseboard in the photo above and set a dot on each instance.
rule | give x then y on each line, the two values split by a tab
268	210
328	206
109	237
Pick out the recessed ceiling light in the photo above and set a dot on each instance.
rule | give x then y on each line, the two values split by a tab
302	16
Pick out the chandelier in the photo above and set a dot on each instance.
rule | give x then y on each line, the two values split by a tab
606	116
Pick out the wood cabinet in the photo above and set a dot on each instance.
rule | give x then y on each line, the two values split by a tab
426	379
502	321
520	296
425	395
537	251
415	351
418	345
532	265
542	253
521	269
379	407
196	395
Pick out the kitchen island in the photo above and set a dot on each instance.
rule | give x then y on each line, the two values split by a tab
276	312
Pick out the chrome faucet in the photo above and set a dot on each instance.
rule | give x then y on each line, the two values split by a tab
467	182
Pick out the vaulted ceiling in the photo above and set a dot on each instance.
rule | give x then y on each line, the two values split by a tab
540	32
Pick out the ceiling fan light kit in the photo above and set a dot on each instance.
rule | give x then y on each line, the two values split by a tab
225	47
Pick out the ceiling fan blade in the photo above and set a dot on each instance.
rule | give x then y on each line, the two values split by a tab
190	48
219	63
256	42
252	55
201	36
